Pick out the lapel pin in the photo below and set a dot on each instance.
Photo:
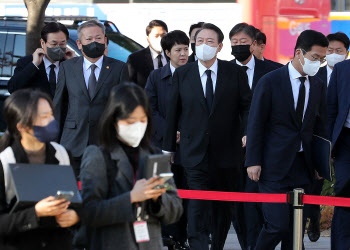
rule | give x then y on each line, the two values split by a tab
107	67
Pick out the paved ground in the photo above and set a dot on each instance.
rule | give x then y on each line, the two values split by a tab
324	243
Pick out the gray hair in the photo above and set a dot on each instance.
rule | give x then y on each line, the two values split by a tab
91	23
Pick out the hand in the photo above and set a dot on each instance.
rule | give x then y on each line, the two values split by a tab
69	54
38	56
143	190
254	172
51	207
244	141
67	218
178	137
318	177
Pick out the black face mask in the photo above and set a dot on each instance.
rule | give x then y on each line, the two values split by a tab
193	47
241	52
94	49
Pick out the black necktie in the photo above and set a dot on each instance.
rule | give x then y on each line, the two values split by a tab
92	81
301	100
209	92
52	79
160	63
245	68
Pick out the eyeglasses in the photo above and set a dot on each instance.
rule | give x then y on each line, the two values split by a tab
321	60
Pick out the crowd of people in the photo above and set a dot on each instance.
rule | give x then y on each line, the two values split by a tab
244	125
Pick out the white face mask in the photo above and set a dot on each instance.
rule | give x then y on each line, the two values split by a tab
155	42
310	67
205	52
334	58
132	134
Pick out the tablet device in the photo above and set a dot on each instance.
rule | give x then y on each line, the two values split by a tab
34	182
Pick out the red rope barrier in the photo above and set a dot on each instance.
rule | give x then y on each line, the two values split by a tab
256	197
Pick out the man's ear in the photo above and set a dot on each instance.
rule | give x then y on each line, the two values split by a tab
80	46
42	43
347	55
167	52
220	47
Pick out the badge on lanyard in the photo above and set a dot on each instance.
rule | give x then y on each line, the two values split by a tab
140	228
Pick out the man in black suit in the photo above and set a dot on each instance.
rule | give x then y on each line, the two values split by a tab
193	29
259	49
243	41
141	63
288	108
337	51
208	97
40	70
83	87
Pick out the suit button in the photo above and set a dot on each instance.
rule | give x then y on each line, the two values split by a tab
43	244
207	133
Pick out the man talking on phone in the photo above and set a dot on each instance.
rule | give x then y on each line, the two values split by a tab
40	70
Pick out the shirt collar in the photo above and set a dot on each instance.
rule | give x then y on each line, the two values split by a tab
213	68
172	68
329	71
47	63
293	73
87	63
250	64
155	54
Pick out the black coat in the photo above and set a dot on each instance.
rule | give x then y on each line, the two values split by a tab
27	75
217	131
77	114
261	68
108	211
273	133
22	229
139	66
273	64
322	74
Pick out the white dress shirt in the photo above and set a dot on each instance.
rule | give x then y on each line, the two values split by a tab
203	75
87	70
329	73
47	64
172	68
294	79
155	58
250	70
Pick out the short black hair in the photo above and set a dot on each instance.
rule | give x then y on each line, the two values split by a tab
210	26
53	27
174	37
260	37
309	38
340	37
249	30
155	23
195	26
122	101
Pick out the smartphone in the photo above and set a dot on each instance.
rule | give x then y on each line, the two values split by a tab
166	177
66	195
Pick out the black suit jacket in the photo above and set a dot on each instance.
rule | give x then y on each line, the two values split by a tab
261	68
191	58
273	63
26	75
139	66
77	114
322	74
273	133
216	132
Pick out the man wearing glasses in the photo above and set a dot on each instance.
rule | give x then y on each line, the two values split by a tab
288	108
40	70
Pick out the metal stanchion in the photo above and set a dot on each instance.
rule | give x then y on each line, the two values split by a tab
298	206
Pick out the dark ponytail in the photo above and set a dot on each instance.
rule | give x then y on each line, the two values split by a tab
20	108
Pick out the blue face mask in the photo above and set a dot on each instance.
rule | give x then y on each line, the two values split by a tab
47	133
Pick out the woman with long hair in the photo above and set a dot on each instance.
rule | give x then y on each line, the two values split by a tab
29	139
114	195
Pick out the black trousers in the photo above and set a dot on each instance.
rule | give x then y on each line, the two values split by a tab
206	217
178	230
278	217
